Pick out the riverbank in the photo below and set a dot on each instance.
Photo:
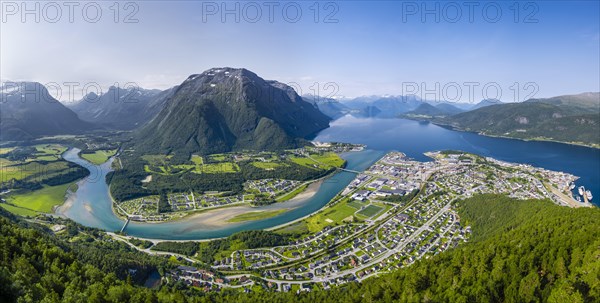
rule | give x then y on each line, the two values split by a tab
220	217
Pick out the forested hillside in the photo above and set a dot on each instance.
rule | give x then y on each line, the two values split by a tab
521	251
570	119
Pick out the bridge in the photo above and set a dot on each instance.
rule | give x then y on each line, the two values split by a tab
350	171
128	217
125	225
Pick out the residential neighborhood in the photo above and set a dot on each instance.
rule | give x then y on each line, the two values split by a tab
412	218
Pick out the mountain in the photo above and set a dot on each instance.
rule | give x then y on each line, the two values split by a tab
530	120
329	106
439	110
426	109
486	102
28	111
226	109
585	102
450	109
122	109
382	106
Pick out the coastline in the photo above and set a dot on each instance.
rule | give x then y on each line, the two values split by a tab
454	128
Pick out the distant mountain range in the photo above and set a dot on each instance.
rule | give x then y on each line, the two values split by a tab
486	102
389	106
28	111
570	118
225	109
439	110
329	106
122	109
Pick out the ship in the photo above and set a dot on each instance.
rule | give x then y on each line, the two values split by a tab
589	195
581	190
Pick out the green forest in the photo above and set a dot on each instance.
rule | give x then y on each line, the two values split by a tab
521	251
127	183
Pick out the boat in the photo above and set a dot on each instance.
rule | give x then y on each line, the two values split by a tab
571	186
578	198
581	190
589	195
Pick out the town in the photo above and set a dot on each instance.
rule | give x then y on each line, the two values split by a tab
400	211
176	205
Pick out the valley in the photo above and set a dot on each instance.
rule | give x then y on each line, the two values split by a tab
389	217
302	152
267	184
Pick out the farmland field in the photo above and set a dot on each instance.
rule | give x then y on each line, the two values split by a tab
28	169
98	157
18	210
42	200
324	161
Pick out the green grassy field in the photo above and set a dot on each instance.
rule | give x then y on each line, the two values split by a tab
50	149
370	211
224	167
335	214
18	210
304	162
100	156
330	159
324	161
22	171
292	194
298	228
218	157
14	172
159	164
197	160
42	200
5	162
256	215
6	150
356	204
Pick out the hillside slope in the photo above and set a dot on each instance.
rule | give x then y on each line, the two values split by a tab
530	120
28	111
122	109
226	109
521	251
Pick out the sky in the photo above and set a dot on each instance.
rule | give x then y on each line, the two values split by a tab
434	49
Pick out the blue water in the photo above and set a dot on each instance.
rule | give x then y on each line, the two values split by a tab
414	138
91	205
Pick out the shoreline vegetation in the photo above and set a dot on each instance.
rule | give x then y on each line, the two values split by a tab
221	216
536	139
268	178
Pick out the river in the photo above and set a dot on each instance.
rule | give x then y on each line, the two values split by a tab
91	204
